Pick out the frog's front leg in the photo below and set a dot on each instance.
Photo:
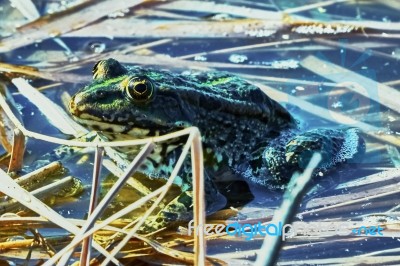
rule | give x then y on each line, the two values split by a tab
337	146
64	153
181	208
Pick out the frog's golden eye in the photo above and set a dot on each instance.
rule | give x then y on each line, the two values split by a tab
140	89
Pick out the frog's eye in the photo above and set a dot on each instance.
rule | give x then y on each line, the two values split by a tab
140	89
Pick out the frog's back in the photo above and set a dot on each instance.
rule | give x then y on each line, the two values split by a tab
221	92
233	115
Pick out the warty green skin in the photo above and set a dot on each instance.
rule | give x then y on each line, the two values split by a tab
233	116
240	125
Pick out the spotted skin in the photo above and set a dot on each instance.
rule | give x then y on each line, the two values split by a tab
241	126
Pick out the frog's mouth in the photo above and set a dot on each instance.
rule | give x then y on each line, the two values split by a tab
94	123
147	128
142	124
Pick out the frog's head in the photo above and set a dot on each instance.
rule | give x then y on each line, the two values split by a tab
132	101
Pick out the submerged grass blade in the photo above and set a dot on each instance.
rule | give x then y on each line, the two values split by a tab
357	48
18	150
124	49
246	47
53	112
268	254
312	6
330	115
367	87
27	8
360	198
371	179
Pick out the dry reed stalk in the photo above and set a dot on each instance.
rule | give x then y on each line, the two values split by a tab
94	197
350	261
92	58
39	175
17	153
65	254
7	128
198	180
124	142
120	27
13	190
83	144
58	187
62	22
215	8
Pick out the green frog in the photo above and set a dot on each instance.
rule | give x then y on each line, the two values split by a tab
241	127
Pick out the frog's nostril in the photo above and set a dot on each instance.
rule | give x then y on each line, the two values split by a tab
74	104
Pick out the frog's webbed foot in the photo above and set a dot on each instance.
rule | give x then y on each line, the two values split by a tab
179	209
336	147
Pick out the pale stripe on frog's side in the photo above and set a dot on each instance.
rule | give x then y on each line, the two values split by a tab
241	127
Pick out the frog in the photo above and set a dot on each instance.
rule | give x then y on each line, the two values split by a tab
242	128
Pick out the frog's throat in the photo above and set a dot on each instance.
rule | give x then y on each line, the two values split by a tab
115	128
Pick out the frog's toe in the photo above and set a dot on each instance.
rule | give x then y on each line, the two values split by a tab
277	166
179	209
336	147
